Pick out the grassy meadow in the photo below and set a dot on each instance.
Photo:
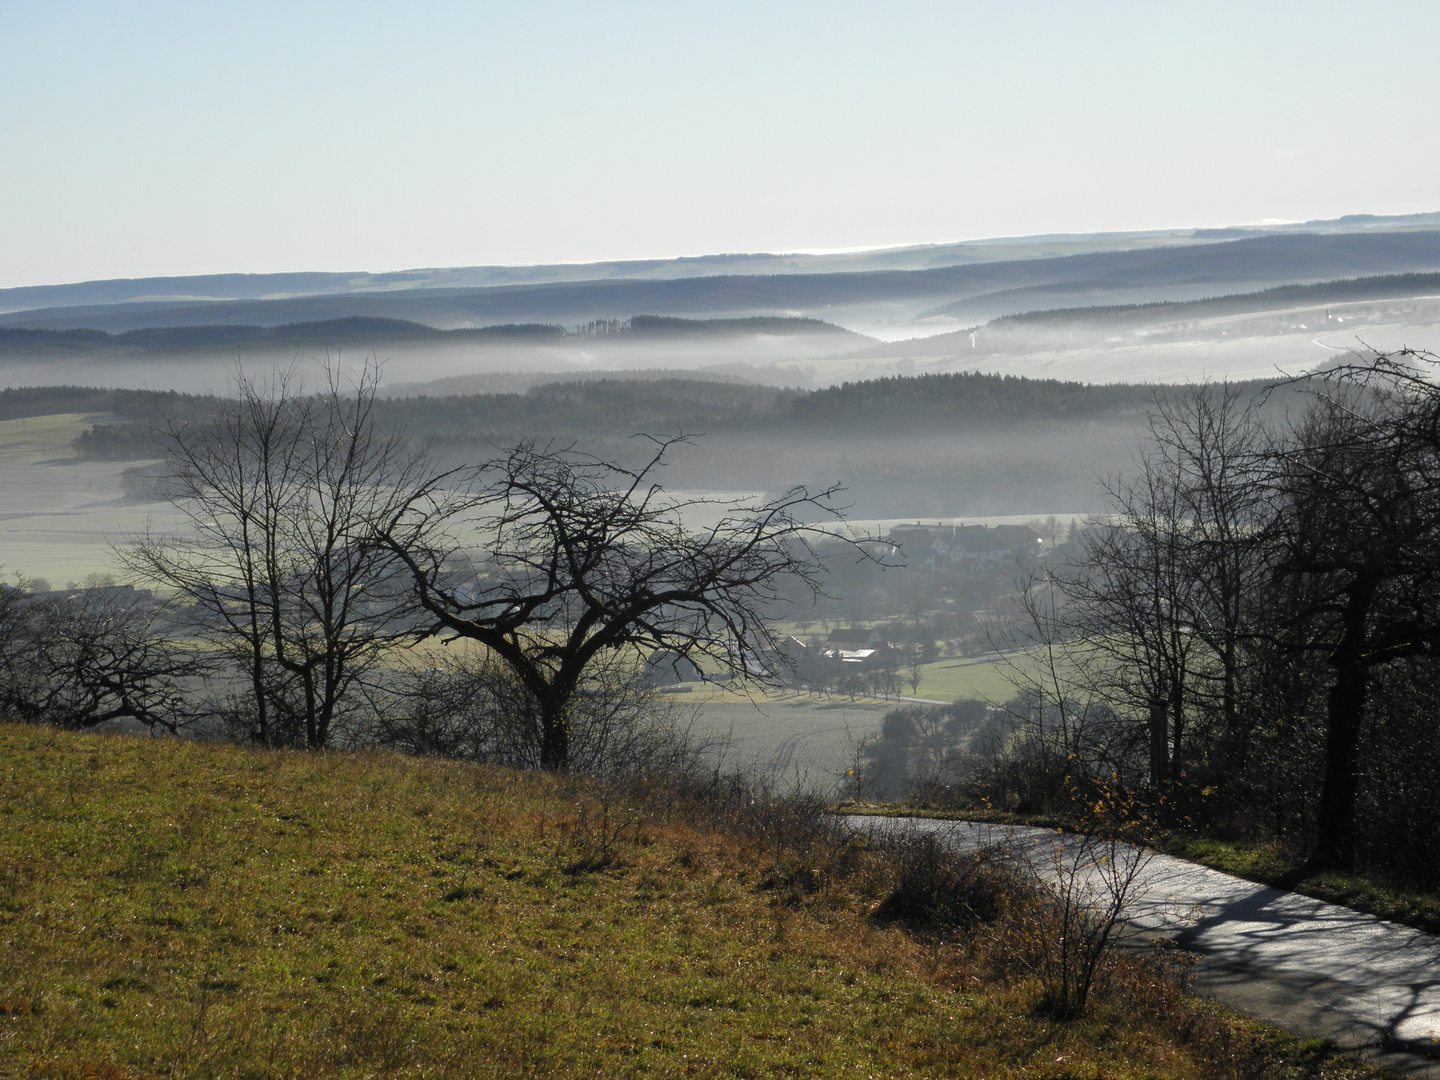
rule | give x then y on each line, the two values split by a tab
807	740
181	909
797	740
59	514
989	677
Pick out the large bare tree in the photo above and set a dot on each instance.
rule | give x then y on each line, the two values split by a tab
1270	573
1358	527
1153	608
560	563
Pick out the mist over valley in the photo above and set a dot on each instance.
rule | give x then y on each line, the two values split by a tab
1008	381
844	368
1167	307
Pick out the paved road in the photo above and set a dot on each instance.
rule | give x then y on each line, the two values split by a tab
1311	967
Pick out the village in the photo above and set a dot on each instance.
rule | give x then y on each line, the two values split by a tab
929	595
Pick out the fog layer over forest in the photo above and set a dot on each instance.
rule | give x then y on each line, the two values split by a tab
946	445
787	320
775	363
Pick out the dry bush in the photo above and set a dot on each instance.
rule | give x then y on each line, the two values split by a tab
938	889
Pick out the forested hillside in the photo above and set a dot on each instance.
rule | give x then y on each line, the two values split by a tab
601	406
362	331
928	445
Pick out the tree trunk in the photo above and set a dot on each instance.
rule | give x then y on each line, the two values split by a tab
1159	743
312	731
1228	697
1177	728
554	734
1335	826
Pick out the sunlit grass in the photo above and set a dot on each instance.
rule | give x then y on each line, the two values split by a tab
175	909
44	436
988	677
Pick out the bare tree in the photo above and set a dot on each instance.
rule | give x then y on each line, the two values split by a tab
1089	882
1240	554
86	656
1215	450
914	667
278	491
478	709
587	560
1063	726
1358	527
1152	612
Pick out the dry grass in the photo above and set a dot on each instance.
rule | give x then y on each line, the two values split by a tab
175	909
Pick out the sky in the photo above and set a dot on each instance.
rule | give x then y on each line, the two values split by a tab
141	139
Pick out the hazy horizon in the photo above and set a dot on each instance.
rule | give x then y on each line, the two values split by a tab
1178	230
170	139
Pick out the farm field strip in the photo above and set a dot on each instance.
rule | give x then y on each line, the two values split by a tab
59	514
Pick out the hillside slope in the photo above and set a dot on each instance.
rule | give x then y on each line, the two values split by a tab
174	909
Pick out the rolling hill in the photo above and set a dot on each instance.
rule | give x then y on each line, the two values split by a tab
1135	307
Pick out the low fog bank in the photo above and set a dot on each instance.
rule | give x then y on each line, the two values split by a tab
424	360
1236	338
1282	332
83	466
1033	469
439	370
944	445
519	382
1027	470
965	445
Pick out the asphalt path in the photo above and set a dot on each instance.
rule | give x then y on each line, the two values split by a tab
1314	968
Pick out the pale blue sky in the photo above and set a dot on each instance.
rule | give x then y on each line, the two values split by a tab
170	138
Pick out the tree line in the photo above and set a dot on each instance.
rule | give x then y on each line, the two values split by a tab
616	408
366	331
1251	632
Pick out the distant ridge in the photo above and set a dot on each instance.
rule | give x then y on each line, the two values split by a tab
368	330
215	288
989	289
350	330
1380	287
1346	290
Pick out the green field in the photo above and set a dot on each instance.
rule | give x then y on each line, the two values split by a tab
796	739
988	677
810	739
60	514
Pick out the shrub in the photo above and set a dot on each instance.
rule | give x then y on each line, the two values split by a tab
936	888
